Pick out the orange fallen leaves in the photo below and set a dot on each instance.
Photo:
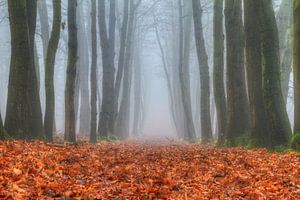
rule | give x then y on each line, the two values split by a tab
38	170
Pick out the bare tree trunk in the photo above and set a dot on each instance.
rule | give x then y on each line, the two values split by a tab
23	114
280	129
259	136
218	70
44	21
106	122
188	118
296	65
93	74
83	74
123	41
123	119
70	122
206	131
237	101
49	70
284	22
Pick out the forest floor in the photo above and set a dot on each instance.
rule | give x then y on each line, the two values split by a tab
139	170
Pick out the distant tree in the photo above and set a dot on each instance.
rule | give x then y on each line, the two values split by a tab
206	131
44	22
23	114
280	129
259	132
1	126
93	74
237	101
218	70
190	133
49	70
70	122
123	117
284	22
296	64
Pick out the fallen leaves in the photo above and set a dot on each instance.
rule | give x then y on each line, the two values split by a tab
144	171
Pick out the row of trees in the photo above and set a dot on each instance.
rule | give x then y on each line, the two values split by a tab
24	118
254	50
252	64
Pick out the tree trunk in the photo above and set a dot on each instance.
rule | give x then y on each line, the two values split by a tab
23	114
280	129
259	136
296	64
83	70
120	69
49	70
123	119
106	122
184	86
218	70
44	21
93	75
206	131
237	102
70	122
284	24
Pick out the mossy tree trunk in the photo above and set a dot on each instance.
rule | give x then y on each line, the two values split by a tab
237	101
259	136
206	131
49	70
70	120
23	114
93	74
296	64
280	129
218	69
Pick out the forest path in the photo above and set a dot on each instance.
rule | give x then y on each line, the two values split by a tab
138	170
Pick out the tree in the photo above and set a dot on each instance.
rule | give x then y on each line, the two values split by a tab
23	114
237	102
123	118
206	131
296	64
49	70
280	129
284	22
44	21
106	120
218	70
1	126
93	74
70	124
259	135
184	83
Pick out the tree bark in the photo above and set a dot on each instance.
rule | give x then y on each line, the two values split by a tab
93	74
106	121
218	70
206	131
184	86
23	114
123	118
296	64
259	136
70	122
49	70
237	102
120	69
280	129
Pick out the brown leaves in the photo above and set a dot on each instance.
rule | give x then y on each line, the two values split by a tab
144	171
